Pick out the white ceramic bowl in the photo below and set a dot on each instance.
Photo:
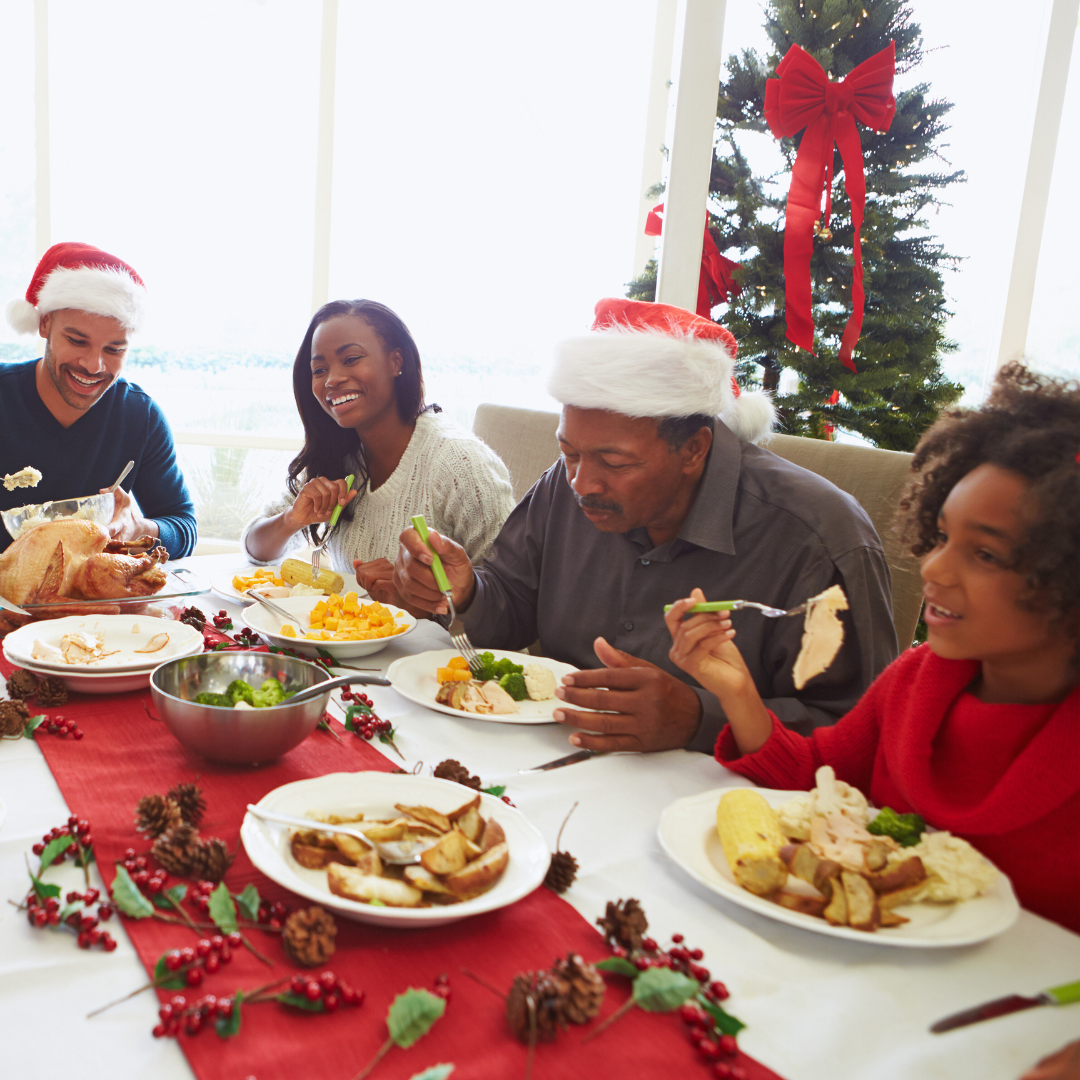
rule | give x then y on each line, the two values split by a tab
265	622
107	682
375	793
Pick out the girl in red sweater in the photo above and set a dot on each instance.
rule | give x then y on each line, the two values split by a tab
978	730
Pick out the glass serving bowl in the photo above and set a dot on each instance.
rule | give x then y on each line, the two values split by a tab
96	508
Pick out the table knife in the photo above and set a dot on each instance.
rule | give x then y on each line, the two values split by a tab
558	763
7	605
1058	995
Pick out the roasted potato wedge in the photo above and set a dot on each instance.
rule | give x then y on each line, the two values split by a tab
427	815
393	830
492	835
836	912
447	856
333	819
425	880
470	823
351	883
863	911
464	808
808	905
315	858
479	875
910	872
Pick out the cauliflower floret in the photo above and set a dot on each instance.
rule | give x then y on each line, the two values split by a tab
539	682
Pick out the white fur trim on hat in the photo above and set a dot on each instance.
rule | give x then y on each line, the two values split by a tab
98	289
645	372
23	316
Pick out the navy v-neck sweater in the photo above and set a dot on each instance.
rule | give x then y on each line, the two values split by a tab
125	424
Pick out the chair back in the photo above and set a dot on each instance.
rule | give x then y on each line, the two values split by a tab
525	440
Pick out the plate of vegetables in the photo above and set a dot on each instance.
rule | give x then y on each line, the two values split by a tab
513	688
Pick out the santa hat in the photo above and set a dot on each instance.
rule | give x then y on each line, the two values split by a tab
81	276
645	359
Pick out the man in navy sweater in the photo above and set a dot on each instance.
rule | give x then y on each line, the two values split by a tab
70	415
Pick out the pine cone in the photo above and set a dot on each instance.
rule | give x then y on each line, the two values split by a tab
155	815
175	850
193	617
562	872
548	994
450	769
22	685
190	801
624	924
585	994
308	936
210	860
13	717
52	691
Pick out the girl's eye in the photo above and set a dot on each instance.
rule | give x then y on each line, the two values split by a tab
987	557
316	372
940	538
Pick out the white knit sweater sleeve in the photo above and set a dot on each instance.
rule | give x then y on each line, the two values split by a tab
472	496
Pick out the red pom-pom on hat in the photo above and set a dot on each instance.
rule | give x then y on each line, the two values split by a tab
656	360
80	276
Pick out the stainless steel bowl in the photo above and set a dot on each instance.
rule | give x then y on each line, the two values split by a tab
236	736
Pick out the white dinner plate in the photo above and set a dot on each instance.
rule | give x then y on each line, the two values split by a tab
107	682
688	834
125	633
263	621
414	677
374	794
223	585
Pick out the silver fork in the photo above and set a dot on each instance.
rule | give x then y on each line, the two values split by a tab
316	554
456	628
738	605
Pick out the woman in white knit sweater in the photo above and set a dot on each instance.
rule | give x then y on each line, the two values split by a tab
360	391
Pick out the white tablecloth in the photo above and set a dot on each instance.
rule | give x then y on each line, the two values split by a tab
815	1007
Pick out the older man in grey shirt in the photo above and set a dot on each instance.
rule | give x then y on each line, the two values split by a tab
638	512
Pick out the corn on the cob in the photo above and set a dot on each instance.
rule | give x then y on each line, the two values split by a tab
750	834
297	572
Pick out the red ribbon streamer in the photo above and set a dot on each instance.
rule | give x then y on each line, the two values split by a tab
716	281
803	97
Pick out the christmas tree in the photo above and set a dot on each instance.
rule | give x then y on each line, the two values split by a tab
899	387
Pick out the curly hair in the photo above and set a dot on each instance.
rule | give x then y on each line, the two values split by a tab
1029	425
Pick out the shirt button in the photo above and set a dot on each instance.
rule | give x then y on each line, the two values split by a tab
644	562
628	625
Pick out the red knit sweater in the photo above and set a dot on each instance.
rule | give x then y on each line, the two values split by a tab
1004	777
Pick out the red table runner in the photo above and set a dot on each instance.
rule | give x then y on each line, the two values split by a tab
125	754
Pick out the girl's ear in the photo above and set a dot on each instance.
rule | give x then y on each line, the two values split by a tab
398	362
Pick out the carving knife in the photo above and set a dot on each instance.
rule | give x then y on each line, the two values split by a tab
558	763
1057	995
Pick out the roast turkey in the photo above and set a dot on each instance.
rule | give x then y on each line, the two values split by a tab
69	559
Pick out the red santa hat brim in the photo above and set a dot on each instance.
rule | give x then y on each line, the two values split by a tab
655	360
83	277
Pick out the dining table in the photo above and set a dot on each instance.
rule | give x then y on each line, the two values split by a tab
815	1006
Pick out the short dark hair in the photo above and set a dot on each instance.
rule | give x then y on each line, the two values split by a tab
1029	425
328	447
676	431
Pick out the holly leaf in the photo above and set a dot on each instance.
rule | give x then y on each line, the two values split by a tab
724	1021
127	896
169	900
435	1072
32	725
165	979
228	1026
299	1001
83	856
248	902
498	790
412	1015
354	711
44	889
222	909
619	965
661	989
70	909
52	849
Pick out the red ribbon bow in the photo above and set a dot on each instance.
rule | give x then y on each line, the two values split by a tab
716	280
803	97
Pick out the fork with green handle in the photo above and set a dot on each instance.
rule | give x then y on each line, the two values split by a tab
457	630
738	605
316	555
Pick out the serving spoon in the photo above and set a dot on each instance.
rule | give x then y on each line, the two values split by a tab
398	852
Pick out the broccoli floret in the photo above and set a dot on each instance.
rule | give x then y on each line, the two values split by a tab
223	701
271	693
240	691
506	667
905	829
514	684
488	670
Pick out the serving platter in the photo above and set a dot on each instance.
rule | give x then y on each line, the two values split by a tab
414	678
374	794
687	833
265	622
122	635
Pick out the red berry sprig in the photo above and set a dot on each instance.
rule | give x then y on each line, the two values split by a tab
223	621
361	719
152	879
274	915
57	725
80	851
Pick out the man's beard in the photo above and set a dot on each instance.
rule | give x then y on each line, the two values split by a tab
591	502
71	397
